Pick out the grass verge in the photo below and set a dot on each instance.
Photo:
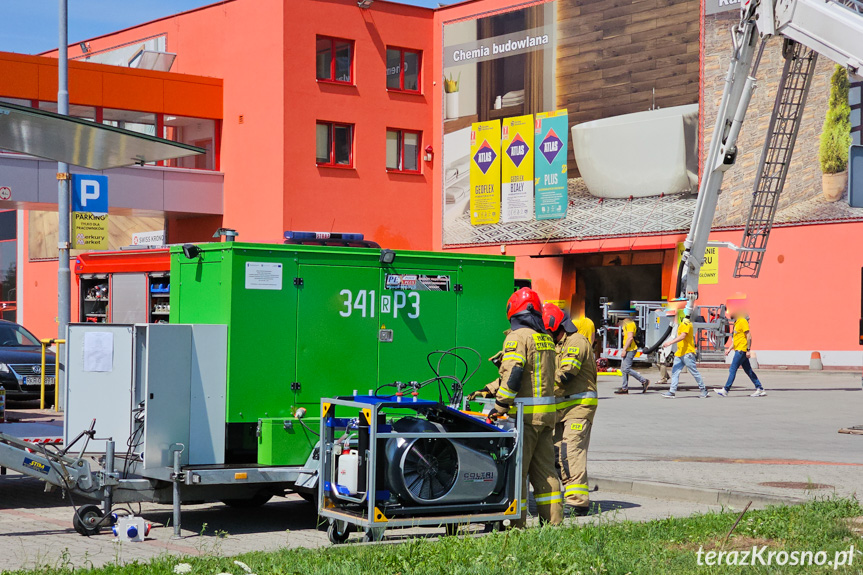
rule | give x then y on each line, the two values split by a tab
655	547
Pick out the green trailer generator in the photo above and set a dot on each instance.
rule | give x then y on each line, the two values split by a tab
312	321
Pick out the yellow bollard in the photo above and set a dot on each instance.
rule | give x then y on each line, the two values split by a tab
45	343
57	374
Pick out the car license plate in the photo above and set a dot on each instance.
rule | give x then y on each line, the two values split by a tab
37	380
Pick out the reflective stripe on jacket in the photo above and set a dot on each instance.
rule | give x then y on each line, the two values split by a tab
576	378
535	354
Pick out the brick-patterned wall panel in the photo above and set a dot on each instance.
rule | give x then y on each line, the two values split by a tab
621	56
804	176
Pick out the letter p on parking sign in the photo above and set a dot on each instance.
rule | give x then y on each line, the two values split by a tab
90	194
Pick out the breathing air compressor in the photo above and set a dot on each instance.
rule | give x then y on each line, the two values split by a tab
390	461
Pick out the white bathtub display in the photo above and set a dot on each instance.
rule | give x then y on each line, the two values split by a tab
641	154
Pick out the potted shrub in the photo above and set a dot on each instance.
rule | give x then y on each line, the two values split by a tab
450	88
836	138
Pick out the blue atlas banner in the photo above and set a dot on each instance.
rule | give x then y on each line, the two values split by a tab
550	140
90	194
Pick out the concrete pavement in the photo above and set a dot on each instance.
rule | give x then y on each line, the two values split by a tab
736	442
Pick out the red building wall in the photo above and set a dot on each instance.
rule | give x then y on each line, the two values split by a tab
393	209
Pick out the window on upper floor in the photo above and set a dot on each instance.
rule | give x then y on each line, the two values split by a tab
403	150
403	69
198	132
334	145
82	112
141	122
334	60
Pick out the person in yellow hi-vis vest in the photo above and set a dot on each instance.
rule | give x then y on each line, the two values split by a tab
527	377
576	405
628	329
685	356
741	342
587	328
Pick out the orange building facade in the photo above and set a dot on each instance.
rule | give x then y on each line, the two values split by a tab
283	81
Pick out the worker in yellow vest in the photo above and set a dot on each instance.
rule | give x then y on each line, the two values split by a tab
628	329
685	354
741	343
587	328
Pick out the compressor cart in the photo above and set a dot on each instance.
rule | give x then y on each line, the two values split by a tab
415	463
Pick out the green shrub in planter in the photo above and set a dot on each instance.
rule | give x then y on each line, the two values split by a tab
836	134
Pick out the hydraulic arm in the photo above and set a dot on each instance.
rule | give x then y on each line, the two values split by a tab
833	28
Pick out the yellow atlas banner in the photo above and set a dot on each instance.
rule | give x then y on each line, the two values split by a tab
709	269
517	169
89	231
485	172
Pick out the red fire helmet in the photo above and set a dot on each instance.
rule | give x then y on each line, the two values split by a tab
524	299
552	316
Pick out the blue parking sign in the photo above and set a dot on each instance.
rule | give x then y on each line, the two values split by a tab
90	193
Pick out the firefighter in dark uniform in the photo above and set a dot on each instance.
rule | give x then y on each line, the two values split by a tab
576	406
527	377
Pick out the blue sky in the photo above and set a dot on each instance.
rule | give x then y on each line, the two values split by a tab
30	26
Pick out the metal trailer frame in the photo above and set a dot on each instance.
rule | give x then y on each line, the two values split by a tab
710	335
372	519
76	475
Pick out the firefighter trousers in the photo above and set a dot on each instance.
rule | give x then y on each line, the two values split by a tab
538	457
571	440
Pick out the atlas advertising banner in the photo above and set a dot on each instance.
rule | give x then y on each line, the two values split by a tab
634	90
485	172
551	183
517	169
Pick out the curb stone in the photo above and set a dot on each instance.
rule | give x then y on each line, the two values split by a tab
659	490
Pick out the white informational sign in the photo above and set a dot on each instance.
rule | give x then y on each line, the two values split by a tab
261	275
98	351
156	238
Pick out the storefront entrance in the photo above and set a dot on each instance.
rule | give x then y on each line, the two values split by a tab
620	277
620	285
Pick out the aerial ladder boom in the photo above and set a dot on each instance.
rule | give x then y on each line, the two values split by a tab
832	28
